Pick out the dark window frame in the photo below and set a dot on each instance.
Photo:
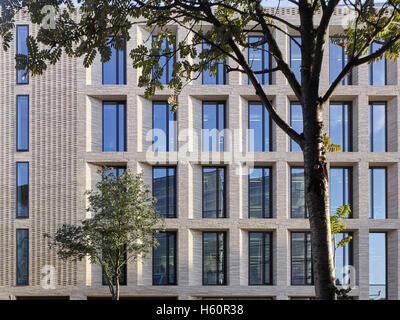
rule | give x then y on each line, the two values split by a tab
263	199
371	69
216	74
371	124
264	75
16	257
224	213
117	68
351	194
175	188
371	192
167	111
290	118
349	77
225	260
168	233
306	214
216	102
305	259
250	103
17	52
16	190
291	42
350	119
271	261
17	123
350	249
168	58
117	103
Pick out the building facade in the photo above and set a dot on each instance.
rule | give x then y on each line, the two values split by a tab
230	232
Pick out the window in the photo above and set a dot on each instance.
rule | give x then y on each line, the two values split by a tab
340	124
164	259
114	70
377	127
116	171
377	69
340	186
22	123
301	264
296	122
297	199
377	266
164	127
377	193
260	189
164	189
343	258
259	60
22	189
295	56
214	258
114	127
123	276
260	258
22	256
260	123
219	77
214	193
338	60
213	126
22	48
167	59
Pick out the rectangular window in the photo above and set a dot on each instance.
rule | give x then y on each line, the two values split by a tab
260	258
260	190
22	189
377	266
164	259
377	193
297	198
166	61
213	126
377	69
343	259
296	122
164	189
214	258
338	60
114	70
164	127
301	263
260	128
259	59
22	123
22	48
340	125
114	127
116	171
22	256
377	127
295	57
214	193
340	186
219	77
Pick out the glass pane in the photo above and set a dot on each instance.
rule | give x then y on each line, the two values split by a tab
256	258
219	77
296	121
22	123
22	48
213	126
342	259
377	69
298	258
221	258
121	127
221	126
339	125
114	70
256	124
339	186
209	258
377	266
22	256
22	189
256	193
297	193
172	129
160	190
295	57
377	127
171	258
160	127
377	193
267	258
256	58
171	193
113	127
160	260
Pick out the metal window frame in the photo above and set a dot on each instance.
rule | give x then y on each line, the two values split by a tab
216	74
117	67
16	190
349	77
371	124
263	75
291	42
175	282
350	186
270	263
306	215
216	102
17	51
16	258
371	68
349	138
371	191
269	168
386	262
17	123
218	258
168	59
167	106
350	250
264	111
224	211
175	215
305	241
117	104
290	116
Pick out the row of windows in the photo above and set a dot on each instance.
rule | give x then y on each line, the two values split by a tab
260	255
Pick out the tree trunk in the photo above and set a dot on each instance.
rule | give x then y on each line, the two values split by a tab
116	296
317	201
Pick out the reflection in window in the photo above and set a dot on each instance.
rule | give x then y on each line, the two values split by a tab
301	263
164	127
377	69
260	201
22	48
296	122
343	258
259	60
295	57
214	258
337	61
214	193
260	254
22	257
166	61
114	127
219	77
377	127
377	193
297	199
259	122
164	259
22	189
340	187
164	186
377	266
340	125
114	70
22	123
213	126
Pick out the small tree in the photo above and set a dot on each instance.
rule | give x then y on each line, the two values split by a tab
120	230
